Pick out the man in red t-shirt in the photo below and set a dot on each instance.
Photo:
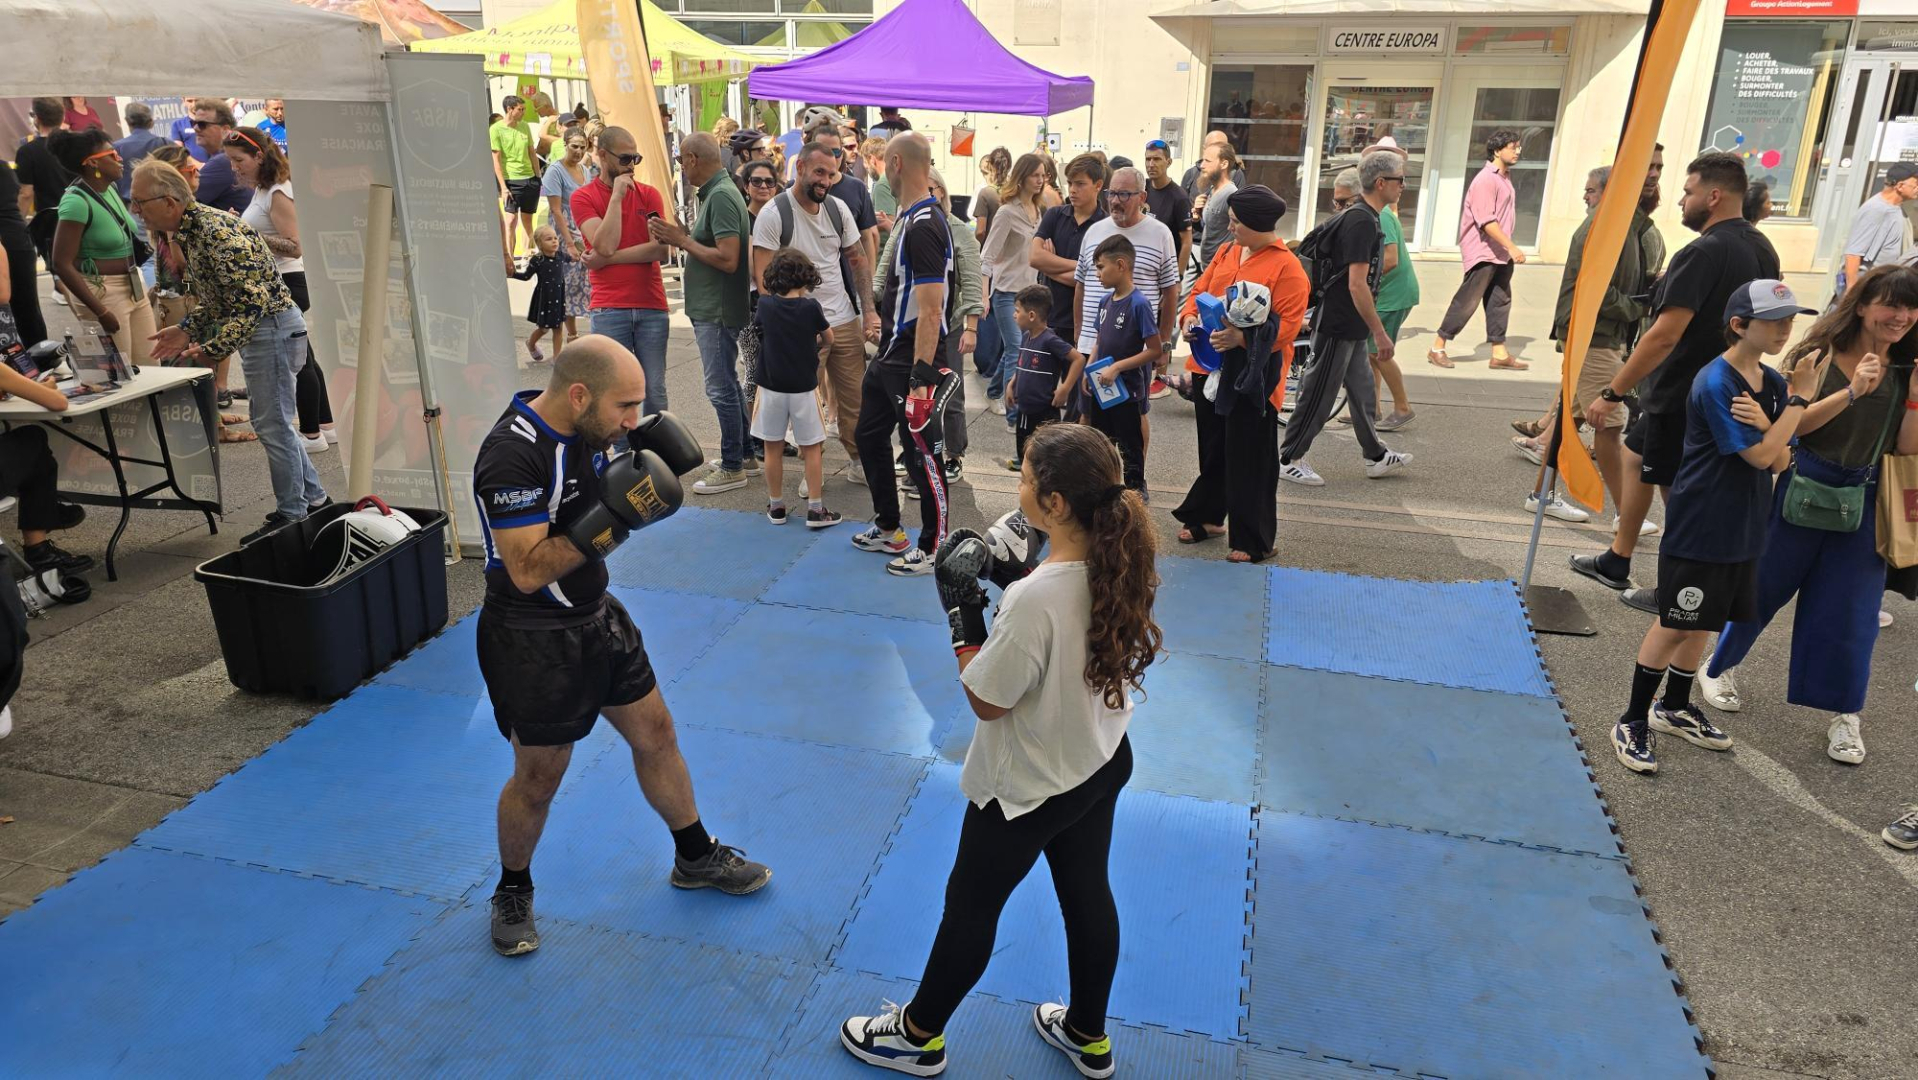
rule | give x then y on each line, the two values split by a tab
622	259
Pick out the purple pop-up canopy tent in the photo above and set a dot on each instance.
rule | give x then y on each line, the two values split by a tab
925	54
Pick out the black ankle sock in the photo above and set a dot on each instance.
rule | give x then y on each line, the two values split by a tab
1614	564
1678	688
516	880
691	843
1645	682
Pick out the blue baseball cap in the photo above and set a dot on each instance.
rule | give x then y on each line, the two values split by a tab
1765	298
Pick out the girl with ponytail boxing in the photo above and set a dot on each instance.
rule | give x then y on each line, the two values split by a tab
1051	686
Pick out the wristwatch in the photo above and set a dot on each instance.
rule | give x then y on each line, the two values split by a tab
1798	400
1611	395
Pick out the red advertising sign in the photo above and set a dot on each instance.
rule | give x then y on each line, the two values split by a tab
1790	9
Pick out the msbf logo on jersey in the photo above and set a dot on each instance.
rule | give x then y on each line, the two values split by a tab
511	499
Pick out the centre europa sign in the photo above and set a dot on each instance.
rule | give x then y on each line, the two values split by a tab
1418	40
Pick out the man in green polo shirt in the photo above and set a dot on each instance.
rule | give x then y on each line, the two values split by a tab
717	279
513	166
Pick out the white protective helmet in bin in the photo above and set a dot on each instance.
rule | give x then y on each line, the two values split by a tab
362	533
1248	304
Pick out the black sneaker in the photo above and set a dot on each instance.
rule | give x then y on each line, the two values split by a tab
1903	833
775	514
724	868
955	471
1645	600
822	518
1633	745
1590	566
1690	725
1092	1059
513	931
67	516
47	555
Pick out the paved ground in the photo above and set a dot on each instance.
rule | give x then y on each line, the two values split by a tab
1788	920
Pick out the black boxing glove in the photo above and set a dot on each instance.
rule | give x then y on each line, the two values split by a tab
962	559
663	434
1016	548
636	490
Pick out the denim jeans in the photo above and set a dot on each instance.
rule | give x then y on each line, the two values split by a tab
719	356
643	332
271	362
1009	339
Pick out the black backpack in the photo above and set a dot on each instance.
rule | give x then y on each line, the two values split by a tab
1313	258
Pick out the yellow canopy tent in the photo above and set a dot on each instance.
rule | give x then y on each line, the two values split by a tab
809	35
547	43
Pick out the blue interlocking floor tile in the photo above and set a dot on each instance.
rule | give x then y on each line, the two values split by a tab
153	964
988	1037
709	552
835	576
818	815
1501	766
827	677
1194	729
1178	871
1469	634
590	1002
1457	957
448	664
390	787
1212	607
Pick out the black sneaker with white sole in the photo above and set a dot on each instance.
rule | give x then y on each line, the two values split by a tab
513	931
1633	745
724	868
1091	1059
1688	724
775	514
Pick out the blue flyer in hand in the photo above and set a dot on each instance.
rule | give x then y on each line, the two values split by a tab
1106	395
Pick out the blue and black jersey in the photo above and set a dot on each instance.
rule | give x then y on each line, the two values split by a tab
922	255
527	474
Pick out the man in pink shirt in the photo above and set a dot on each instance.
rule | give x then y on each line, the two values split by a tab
1486	248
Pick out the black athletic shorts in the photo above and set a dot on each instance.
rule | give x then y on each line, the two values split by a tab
1659	439
548	686
523	195
1695	595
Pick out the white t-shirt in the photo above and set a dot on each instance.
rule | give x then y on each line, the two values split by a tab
1059	731
813	236
1155	268
259	214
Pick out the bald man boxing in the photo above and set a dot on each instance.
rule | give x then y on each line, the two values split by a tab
556	651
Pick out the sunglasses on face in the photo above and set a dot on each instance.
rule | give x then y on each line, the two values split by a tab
137	203
1345	202
108	153
202	125
760	181
629	160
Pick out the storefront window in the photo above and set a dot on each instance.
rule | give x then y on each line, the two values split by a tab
1770	101
1261	108
1514	40
1533	113
739	33
1358	116
1887	36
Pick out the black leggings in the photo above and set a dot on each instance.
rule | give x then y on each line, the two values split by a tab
24	273
29	472
309	387
1074	831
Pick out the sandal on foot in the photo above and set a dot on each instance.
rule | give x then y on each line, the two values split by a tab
238	437
1199	534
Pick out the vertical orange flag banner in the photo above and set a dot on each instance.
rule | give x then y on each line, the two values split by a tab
620	72
1665	29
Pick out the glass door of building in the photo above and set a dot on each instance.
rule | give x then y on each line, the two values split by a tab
1874	124
1358	109
1524	100
1261	108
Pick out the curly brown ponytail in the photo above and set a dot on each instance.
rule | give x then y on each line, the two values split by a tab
1083	466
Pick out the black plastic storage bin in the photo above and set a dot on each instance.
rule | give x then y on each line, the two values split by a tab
280	634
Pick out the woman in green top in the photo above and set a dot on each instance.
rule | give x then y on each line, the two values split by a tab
93	244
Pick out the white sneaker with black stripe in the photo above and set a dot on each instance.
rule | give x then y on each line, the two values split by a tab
881	1040
1091	1059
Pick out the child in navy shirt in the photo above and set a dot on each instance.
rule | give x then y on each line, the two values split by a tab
1047	371
1739	421
1128	334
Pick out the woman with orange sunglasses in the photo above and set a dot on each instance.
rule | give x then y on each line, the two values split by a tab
94	245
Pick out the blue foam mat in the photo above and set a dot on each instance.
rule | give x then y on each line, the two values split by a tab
818	815
591	1002
1469	634
1285	1065
448	664
709	552
987	1038
1416	755
1182	942
391	787
153	964
1195	729
840	679
835	576
1211	607
1457	957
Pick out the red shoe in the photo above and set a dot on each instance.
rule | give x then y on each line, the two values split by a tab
1159	389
